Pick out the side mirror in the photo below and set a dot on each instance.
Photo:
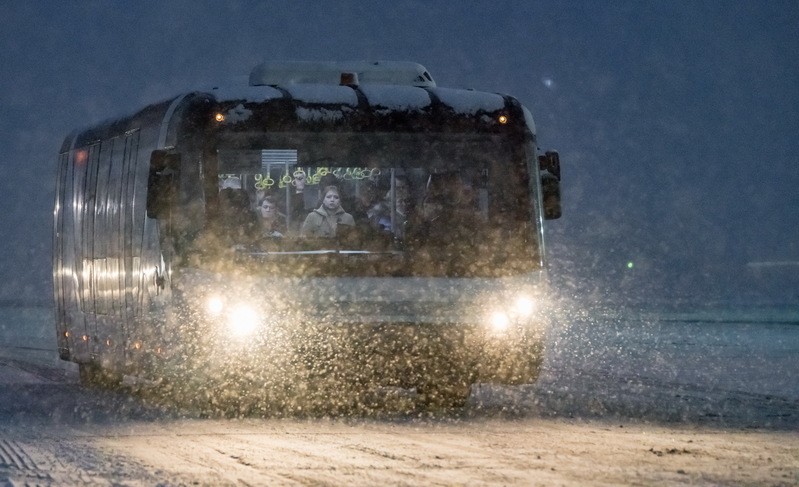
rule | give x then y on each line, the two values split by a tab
549	163
162	182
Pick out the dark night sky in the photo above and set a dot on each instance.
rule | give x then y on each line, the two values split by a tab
677	122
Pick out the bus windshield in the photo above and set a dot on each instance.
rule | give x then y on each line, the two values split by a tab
377	204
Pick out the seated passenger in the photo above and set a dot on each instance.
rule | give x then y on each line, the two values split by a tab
448	210
322	222
272	223
403	207
235	219
367	208
296	210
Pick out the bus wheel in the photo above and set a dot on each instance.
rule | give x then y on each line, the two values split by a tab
93	375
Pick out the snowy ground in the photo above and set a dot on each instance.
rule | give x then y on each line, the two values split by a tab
706	398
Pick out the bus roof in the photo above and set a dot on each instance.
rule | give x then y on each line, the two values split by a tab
332	72
375	107
385	96
379	97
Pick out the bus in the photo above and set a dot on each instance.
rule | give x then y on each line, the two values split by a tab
335	221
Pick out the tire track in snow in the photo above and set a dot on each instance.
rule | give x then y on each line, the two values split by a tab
25	465
12	455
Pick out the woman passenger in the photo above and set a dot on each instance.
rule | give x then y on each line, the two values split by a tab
322	222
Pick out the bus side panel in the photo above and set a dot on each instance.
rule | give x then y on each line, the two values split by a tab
72	262
130	255
106	252
135	254
95	261
102	259
99	259
88	240
113	332
63	274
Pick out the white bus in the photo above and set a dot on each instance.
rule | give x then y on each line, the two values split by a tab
201	236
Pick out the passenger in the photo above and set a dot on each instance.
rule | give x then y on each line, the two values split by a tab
452	191
403	202
297	210
259	196
299	180
368	208
448	210
272	222
322	222
433	207
235	218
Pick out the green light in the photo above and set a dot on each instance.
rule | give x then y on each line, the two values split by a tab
630	265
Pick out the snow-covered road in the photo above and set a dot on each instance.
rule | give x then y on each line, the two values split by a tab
633	399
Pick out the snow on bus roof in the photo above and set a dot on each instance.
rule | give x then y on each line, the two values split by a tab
335	94
307	93
388	96
254	94
468	101
330	72
396	97
382	96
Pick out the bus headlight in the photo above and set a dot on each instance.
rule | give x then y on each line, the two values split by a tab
518	311
242	321
215	305
499	321
524	306
238	320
